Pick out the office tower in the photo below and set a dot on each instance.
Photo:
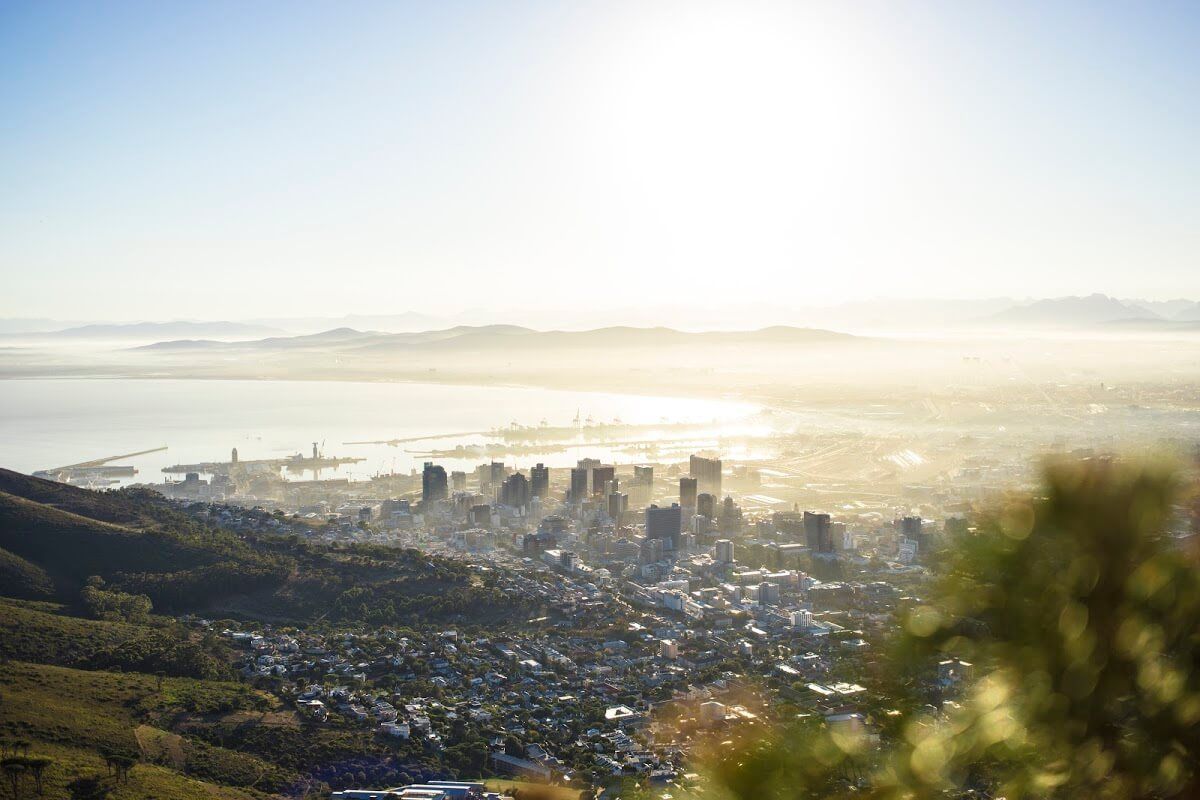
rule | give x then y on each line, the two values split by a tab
433	483
724	551
687	492
914	528
707	472
579	484
480	515
495	474
817	532
514	491
234	455
706	505
458	481
539	481
600	477
665	524
731	517
643	476
618	504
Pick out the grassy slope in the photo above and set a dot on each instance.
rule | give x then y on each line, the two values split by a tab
71	547
186	567
74	716
41	632
20	578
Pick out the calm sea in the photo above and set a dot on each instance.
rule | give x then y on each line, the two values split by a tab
51	423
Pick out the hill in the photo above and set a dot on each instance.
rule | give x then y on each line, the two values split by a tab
159	330
138	543
505	337
78	719
1070	312
22	579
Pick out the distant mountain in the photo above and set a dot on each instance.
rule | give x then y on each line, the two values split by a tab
34	325
1188	313
1167	309
162	330
1071	312
405	322
336	336
506	337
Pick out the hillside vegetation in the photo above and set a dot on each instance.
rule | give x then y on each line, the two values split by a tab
56	537
104	696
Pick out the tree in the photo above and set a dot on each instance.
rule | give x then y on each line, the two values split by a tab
14	770
88	788
37	767
1079	613
123	765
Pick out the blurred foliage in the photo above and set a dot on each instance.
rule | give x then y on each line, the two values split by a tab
1081	617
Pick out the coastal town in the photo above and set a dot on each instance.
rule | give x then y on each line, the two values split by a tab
658	631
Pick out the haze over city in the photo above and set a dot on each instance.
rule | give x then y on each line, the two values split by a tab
599	400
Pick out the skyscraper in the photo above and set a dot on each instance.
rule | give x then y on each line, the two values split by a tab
665	524
617	505
515	491
687	492
817	532
706	505
539	481
434	486
724	551
707	472
579	484
600	477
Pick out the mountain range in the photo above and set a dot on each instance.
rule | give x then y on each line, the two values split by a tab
507	337
865	315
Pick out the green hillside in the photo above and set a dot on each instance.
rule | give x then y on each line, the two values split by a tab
79	718
20	578
140	544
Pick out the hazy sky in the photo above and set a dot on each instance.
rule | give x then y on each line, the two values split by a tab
211	159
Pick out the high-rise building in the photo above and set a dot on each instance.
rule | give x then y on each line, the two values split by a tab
913	527
707	472
600	478
234	456
724	551
515	491
480	515
665	524
731	517
687	492
618	504
817	532
458	481
643	476
434	486
539	481
706	505
579	484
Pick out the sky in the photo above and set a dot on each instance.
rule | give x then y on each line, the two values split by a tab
235	160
